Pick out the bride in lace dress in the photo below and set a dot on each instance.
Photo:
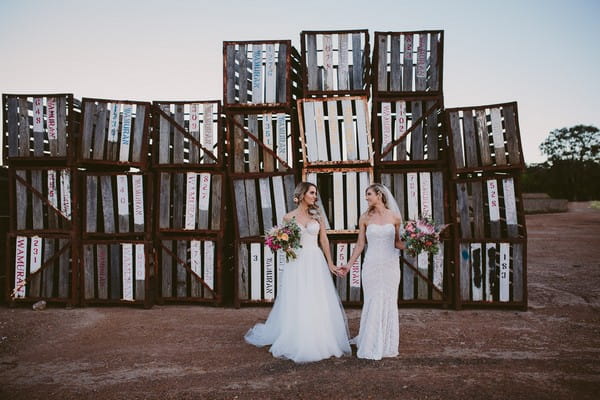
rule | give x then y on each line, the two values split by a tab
307	322
379	334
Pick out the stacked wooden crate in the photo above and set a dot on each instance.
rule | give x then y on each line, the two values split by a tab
39	141
188	152
116	230
490	232
335	134
261	83
410	149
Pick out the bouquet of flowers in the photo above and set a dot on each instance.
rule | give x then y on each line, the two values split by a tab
284	237
421	235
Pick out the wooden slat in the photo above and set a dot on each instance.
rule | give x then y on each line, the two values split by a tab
101	116
354	277
351	196
268	160
395	64
123	203
386	128
434	84
194	129
137	141
61	127
311	61
470	140
243	277
38	126
208	139
463	210
126	135
341	254
320	132
490	270
255	271
421	69
349	135
238	145
456	140
89	116
476	272
178	200
512	137
477	205
204	194
338	201
253	158
504	282
138	203
494	207
209	267
167	269
216	202
382	74
328	62
438	272
465	271
364	180
357	62
400	127
518	272
127	275
13	127
483	138
35	262
164	200
53	200
510	207
181	287
113	131
362	124
281	138
265	203
140	272
196	265
334	133
412	189
269	271
432	132
243	60
65	191
164	136
23	128
37	211
88	272
498	136
108	211
178	135
257	74
239	189
102	270
282	81
115	272
426	211
408	278
48	272
252	206
279	198
416	136
399	193
191	200
230	71
407	69
310	132
343	77
289	184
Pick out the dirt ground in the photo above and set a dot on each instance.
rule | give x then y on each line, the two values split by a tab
551	351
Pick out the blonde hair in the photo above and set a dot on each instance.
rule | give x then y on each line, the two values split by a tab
314	210
379	189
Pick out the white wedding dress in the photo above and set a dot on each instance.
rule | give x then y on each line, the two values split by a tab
307	322
379	333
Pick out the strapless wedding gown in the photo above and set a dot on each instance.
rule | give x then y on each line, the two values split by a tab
379	333
307	322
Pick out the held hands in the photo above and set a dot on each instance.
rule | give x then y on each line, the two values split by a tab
338	271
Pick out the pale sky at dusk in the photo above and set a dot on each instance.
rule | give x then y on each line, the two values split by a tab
543	54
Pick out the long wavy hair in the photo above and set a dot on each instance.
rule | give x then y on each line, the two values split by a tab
379	189
314	210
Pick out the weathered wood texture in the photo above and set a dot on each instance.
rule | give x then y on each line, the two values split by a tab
115	272
190	201
116	204
409	131
188	134
484	138
43	200
189	269
260	73
261	203
407	63
335	131
43	263
335	62
349	287
259	272
262	142
39	128
114	132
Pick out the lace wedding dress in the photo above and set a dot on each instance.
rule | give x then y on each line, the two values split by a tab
379	333
307	322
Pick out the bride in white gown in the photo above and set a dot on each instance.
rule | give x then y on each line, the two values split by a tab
307	322
379	332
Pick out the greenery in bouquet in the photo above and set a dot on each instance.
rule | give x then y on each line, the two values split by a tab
421	235
284	237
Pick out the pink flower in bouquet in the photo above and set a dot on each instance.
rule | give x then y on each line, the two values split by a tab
425	227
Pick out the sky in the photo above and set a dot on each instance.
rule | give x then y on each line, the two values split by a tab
544	54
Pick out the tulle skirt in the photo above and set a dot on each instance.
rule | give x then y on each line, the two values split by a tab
307	322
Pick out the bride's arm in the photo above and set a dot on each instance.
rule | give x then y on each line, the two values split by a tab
360	242
324	241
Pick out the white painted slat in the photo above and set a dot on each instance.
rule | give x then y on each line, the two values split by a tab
492	191
269	282
282	150
363	134
363	178
349	135
122	195
204	196
127	271
334	133
265	202
140	262
20	265
209	263
351	181
311	177
270	74
102	266
113	124
196	257
354	270
52	195
190	200
509	201
310	132
35	260
138	199
490	248
412	187
320	127
341	250
280	264
268	130
207	126
257	74
504	272
255	271
497	135
51	119
386	124
328	62
425	192
125	132
438	268
65	190
476	262
401	124
194	119
279	198
343	81
338	201
422	57
38	114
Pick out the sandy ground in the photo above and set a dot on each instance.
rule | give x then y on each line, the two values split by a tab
551	351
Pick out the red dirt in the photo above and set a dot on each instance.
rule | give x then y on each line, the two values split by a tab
551	351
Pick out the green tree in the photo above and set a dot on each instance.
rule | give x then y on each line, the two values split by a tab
578	143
